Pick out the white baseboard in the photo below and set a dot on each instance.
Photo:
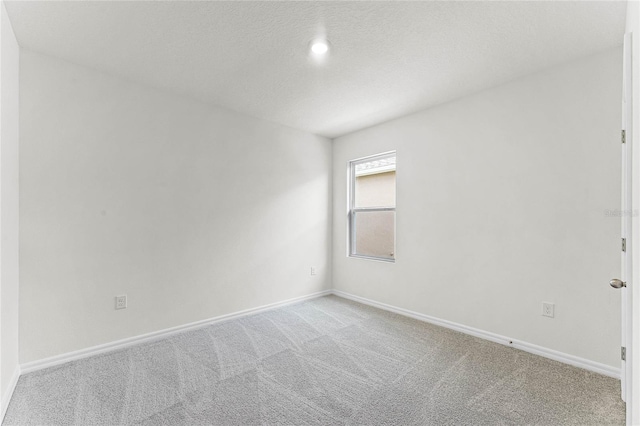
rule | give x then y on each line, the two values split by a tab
156	335
124	343
6	398
586	364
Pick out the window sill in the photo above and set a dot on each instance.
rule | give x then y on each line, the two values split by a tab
377	259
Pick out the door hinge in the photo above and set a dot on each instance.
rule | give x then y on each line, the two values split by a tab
624	244
623	353
623	135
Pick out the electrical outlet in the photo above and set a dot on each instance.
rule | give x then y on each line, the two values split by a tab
121	302
548	309
313	270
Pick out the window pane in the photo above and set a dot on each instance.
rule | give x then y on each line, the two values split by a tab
374	233
375	183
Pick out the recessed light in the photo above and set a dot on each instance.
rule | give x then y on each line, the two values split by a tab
320	47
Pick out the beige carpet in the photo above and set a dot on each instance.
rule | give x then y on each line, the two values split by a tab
327	361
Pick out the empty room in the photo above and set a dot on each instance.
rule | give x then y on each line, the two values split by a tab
319	213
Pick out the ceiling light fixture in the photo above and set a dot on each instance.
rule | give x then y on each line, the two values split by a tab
320	47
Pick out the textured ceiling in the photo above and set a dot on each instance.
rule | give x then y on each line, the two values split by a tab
387	59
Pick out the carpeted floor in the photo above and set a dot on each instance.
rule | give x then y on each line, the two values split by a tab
321	362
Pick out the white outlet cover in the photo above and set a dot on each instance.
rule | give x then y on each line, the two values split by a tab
121	302
548	309
313	270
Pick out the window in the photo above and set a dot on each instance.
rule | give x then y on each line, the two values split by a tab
372	207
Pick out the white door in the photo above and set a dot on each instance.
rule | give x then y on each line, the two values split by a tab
624	283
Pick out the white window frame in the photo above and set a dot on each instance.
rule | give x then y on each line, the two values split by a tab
352	210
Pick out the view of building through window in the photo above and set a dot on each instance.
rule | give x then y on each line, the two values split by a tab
373	204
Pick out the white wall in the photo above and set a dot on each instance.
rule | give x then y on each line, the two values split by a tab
501	200
633	26
9	77
190	210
